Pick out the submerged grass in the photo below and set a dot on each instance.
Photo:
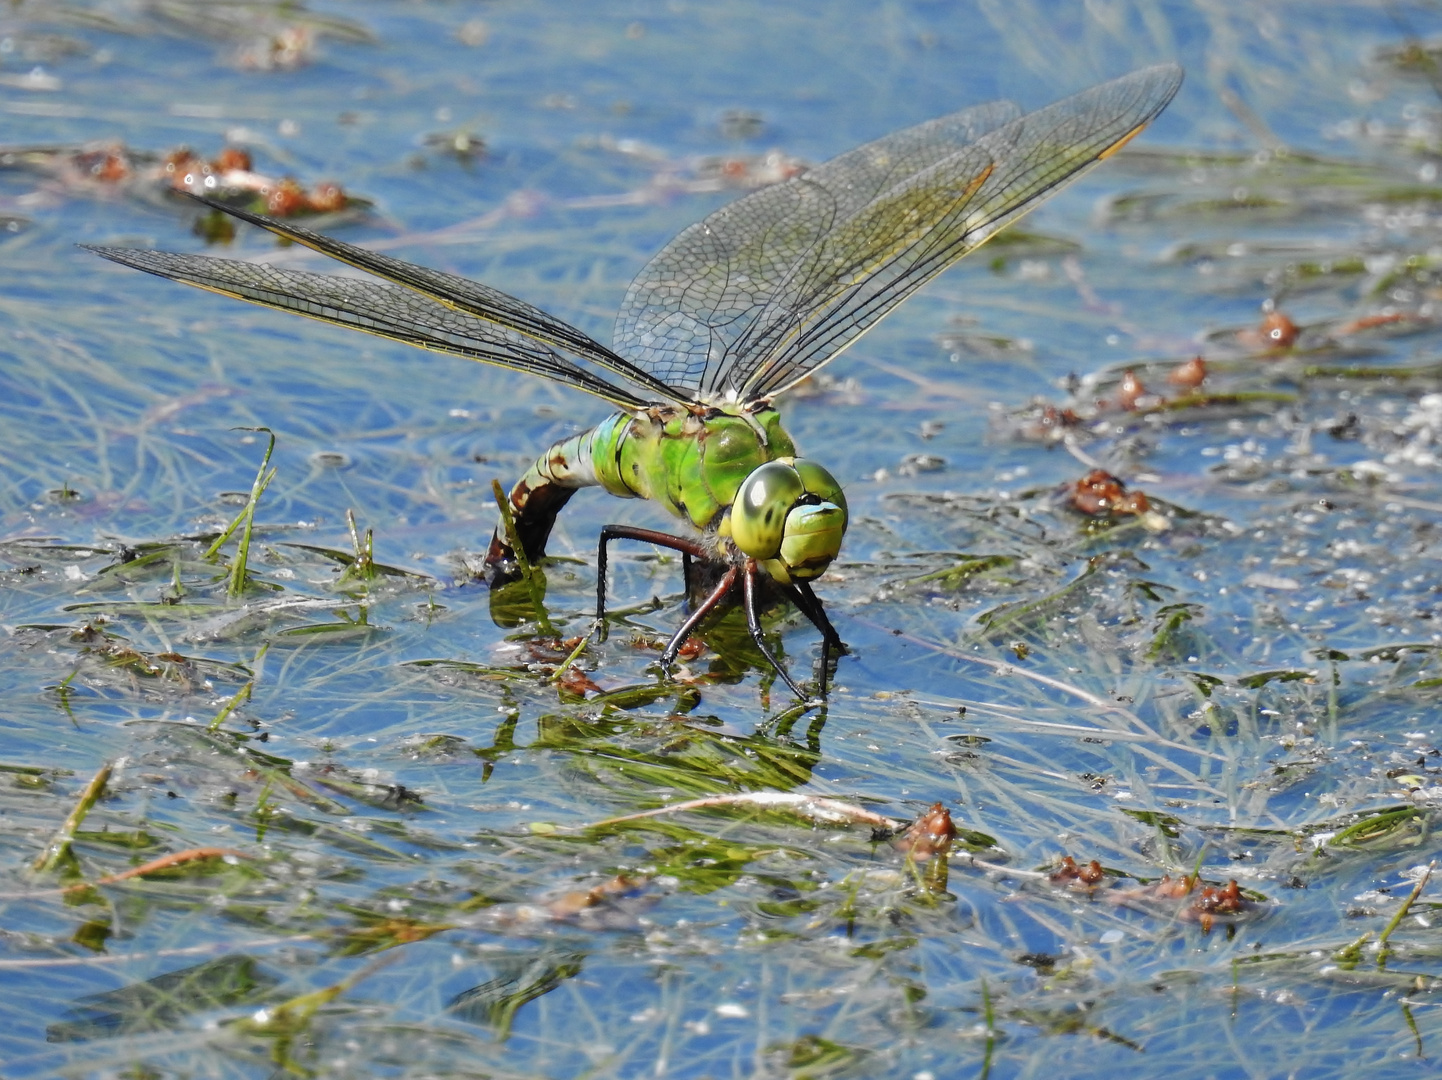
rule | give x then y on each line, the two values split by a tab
58	852
245	521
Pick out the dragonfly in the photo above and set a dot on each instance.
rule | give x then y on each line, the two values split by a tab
736	310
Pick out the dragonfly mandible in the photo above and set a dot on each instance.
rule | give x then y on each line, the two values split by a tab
733	312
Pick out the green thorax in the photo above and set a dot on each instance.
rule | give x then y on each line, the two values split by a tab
692	465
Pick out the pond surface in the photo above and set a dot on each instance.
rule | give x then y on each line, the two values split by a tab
358	820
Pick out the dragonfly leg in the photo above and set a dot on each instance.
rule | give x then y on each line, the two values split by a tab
753	623
726	584
809	605
817	615
687	547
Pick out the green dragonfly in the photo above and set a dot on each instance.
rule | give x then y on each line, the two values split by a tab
737	309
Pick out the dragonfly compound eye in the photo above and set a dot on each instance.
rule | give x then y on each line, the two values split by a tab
758	516
820	483
812	540
814	527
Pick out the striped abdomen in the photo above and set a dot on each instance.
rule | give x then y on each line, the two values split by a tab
548	485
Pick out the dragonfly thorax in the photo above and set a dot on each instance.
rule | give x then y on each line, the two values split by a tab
734	474
693	465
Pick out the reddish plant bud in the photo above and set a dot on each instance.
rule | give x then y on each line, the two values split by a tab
1129	391
1278	331
328	198
286	199
230	159
930	835
1189	375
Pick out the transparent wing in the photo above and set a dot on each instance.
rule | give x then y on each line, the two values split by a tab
689	306
763	292
926	223
376	307
463	294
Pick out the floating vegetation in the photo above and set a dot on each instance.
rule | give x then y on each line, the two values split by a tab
103	169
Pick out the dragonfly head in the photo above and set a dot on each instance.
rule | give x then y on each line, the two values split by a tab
789	515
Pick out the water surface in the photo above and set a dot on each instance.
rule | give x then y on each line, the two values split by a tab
1242	685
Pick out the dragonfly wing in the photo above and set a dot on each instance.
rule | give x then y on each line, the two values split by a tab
860	271
763	292
463	294
376	307
691	305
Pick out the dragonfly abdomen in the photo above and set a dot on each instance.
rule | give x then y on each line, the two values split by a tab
589	459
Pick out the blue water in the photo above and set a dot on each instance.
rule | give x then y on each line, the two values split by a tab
752	944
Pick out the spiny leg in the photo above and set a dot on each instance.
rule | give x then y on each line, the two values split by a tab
753	623
728	581
627	532
809	606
